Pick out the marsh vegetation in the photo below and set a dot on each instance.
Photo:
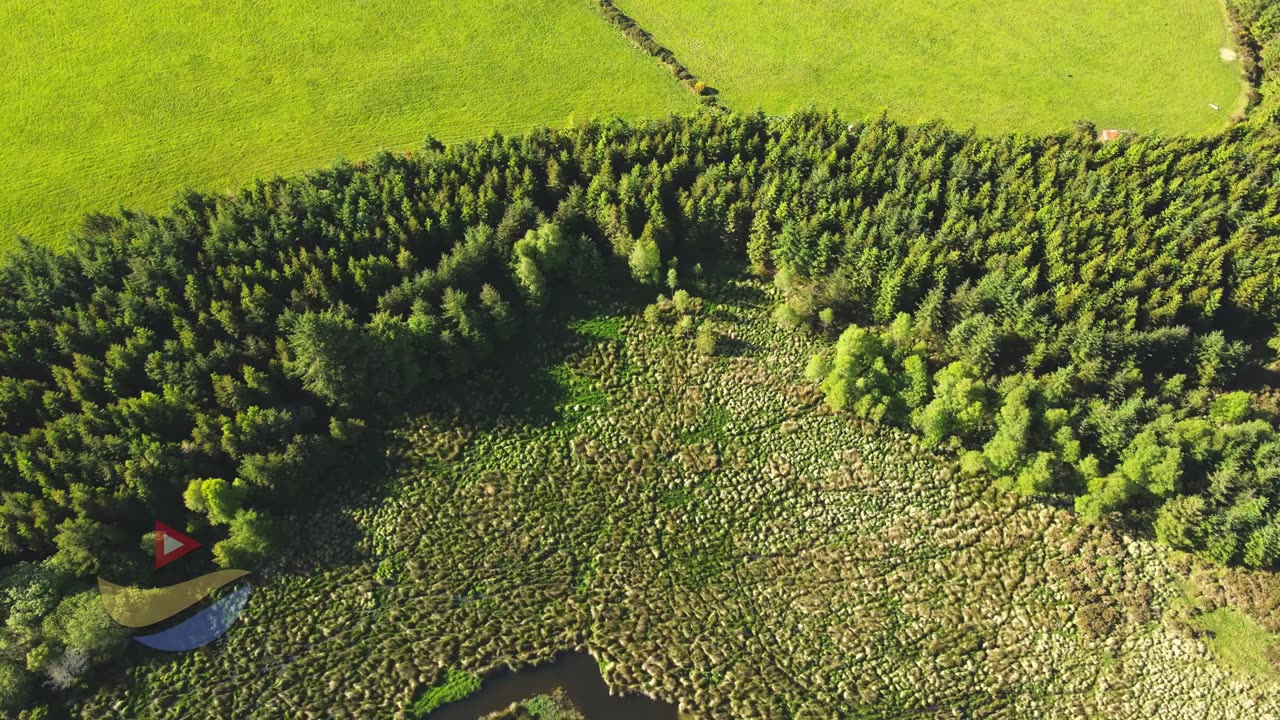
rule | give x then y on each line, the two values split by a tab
716	538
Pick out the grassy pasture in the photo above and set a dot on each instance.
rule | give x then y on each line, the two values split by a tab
114	101
1002	65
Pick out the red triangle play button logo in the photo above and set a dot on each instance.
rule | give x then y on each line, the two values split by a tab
171	544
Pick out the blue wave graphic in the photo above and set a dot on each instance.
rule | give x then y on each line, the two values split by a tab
202	628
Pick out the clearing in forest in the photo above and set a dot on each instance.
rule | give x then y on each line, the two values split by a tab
1002	65
114	102
718	539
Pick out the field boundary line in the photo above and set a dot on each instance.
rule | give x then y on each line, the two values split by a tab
642	39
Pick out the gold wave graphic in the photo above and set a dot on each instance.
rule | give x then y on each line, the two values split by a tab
138	607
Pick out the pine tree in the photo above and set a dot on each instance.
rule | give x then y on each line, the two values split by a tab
500	314
531	282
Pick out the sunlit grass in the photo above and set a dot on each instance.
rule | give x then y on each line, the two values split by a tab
1036	66
1240	641
112	102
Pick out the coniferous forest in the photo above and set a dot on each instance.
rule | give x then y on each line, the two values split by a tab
1095	325
1092	321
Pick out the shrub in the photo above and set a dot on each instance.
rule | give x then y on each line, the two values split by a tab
457	685
248	542
708	338
786	317
81	622
14	685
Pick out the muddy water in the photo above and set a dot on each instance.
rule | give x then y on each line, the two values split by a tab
577	673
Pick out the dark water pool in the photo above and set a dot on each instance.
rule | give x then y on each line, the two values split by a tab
577	673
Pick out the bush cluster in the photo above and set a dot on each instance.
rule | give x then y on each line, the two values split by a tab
1207	463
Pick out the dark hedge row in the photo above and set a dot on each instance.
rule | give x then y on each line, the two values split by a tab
643	40
1256	26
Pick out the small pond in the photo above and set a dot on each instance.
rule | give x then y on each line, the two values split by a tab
577	673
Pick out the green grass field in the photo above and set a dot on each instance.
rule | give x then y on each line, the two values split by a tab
118	101
997	65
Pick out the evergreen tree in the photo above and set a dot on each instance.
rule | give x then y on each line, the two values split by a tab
530	280
329	354
500	313
645	261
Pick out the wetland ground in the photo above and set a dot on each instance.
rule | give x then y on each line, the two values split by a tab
716	539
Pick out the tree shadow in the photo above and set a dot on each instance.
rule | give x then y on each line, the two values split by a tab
737	347
525	381
522	384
